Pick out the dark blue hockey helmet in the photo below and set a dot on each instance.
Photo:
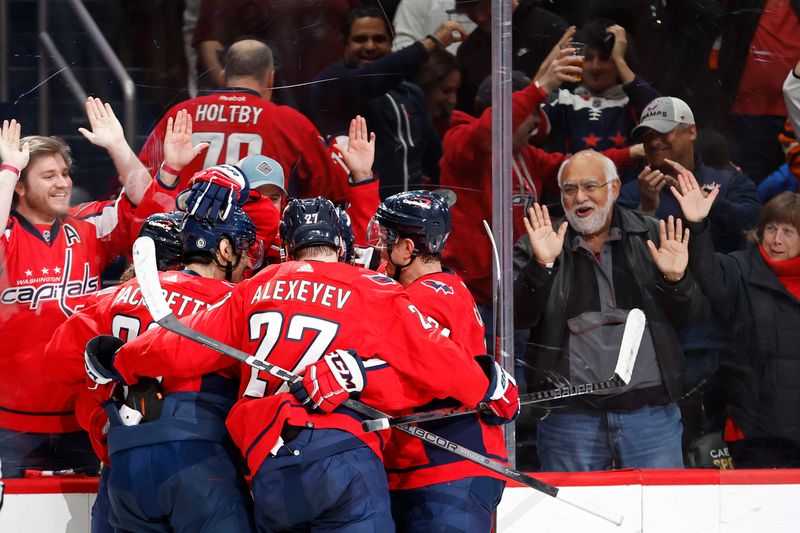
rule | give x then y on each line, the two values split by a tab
165	230
202	235
310	221
422	216
348	237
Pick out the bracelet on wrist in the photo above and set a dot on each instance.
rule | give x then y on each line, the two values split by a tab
10	168
169	170
439	44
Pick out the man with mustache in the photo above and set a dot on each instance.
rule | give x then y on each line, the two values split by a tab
574	294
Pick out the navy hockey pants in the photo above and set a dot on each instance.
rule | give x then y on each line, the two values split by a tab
179	486
101	510
460	505
323	480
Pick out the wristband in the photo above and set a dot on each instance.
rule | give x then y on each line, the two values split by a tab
12	168
439	44
169	170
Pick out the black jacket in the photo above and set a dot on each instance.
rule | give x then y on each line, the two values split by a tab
545	299
763	319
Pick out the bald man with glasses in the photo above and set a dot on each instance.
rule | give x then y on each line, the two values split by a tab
583	278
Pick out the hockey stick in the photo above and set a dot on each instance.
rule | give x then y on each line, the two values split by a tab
628	349
144	260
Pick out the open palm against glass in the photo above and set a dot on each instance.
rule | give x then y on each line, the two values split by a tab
178	149
672	256
546	242
694	201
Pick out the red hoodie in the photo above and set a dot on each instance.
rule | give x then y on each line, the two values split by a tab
466	168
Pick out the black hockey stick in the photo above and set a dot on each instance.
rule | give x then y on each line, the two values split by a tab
629	347
144	260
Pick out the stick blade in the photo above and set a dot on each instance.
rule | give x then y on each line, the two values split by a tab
146	267
629	347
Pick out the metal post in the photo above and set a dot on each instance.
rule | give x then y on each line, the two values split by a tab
501	197
128	88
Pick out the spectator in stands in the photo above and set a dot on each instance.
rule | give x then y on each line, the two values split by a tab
467	170
668	132
759	46
370	81
534	32
755	293
414	19
241	120
785	178
293	30
609	253
440	79
51	257
603	109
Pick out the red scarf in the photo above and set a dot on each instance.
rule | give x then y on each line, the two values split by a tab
788	271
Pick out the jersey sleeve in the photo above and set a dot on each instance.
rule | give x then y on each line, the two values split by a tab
113	222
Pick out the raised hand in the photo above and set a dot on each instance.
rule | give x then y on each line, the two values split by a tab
651	181
672	256
10	152
555	52
620	41
547	243
695	202
360	152
106	129
564	68
178	149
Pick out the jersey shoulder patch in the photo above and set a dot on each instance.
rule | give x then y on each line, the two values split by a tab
380	279
438	286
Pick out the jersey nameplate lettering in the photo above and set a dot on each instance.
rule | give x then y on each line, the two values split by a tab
240	114
302	291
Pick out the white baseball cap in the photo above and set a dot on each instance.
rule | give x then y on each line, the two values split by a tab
262	170
663	114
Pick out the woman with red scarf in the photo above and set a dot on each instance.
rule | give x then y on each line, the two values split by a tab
756	295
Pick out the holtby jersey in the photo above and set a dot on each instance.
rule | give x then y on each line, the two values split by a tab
410	463
45	277
237	123
121	312
291	315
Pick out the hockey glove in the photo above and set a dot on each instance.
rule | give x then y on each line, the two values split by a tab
146	398
99	358
214	191
330	381
501	403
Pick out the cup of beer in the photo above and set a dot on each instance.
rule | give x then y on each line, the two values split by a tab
579	50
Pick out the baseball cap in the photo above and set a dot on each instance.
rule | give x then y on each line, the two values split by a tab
262	170
663	114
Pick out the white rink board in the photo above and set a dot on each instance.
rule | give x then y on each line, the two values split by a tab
658	507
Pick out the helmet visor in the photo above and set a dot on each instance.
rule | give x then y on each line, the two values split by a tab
255	254
380	236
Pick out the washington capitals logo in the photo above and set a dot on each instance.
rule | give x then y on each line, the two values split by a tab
380	279
438	286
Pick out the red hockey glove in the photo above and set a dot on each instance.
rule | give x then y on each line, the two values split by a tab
330	381
501	403
214	191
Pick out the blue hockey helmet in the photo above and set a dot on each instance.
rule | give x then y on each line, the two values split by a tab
165	230
202	235
348	237
310	221
422	216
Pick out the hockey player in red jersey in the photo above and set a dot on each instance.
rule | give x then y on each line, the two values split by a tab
433	490
168	454
64	354
51	257
313	466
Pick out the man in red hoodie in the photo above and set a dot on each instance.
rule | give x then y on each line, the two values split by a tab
466	168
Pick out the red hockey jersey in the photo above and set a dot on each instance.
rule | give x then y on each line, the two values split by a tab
238	123
292	314
45	277
410	463
121	312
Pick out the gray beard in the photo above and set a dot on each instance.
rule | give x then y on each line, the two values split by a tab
591	224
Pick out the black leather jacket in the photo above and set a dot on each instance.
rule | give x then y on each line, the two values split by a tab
542	298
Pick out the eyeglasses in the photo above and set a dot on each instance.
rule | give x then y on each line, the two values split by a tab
571	189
